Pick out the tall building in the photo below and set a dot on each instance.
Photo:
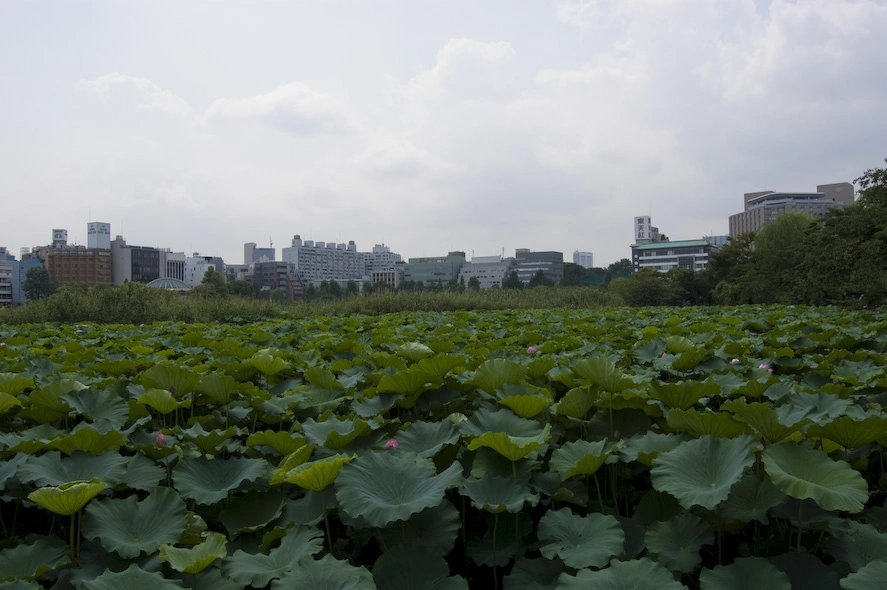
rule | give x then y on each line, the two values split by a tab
318	261
490	271
764	206
691	255
172	265
98	235
434	269
7	276
381	258
527	263
197	265
583	259
134	263
253	254
77	265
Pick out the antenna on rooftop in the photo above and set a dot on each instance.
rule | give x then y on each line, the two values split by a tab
270	242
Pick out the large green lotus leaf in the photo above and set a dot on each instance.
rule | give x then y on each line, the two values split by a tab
142	473
646	447
414	351
427	438
763	418
495	372
281	441
807	473
678	344
498	494
512	448
130	527
410	484
746	573
406	568
31	441
580	457
440	365
647	352
162	400
334	432
689	359
14	383
266	363
46	404
601	371
434	529
252	511
806	571
316	475
676	542
484	421
50	469
369	407
323	378
702	471
7	402
290	462
20	585
861	545
256	570
99	405
67	498
327	573
218	387
523	399
29	561
580	541
410	383
210	480
131	577
192	560
89	439
818	408
719	425
10	467
576	403
622	575
683	395
750	499
533	574
210	442
871	577
850	433
174	378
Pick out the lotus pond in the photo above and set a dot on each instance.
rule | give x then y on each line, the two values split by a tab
610	448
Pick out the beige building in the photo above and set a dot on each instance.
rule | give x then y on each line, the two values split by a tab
764	206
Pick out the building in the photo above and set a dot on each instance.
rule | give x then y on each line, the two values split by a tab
691	255
269	275
583	259
318	261
381	258
76	265
197	265
7	276
253	254
390	277
527	263
644	231
434	269
762	207
172	265
134	263
20	270
490	271
98	235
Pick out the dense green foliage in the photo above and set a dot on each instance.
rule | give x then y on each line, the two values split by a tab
654	447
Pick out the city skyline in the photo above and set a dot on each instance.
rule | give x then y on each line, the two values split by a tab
427	127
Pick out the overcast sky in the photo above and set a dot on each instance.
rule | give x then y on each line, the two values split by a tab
474	125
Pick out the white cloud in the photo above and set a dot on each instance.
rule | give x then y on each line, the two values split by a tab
295	108
458	56
153	96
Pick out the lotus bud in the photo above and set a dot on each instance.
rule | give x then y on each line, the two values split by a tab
531	350
160	439
391	444
734	362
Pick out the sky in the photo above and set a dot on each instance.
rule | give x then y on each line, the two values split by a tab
427	125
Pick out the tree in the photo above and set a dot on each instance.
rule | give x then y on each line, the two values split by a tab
335	288
573	274
240	288
310	292
351	288
368	288
215	282
512	281
540	280
473	284
36	285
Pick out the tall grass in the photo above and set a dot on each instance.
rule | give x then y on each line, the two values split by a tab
135	303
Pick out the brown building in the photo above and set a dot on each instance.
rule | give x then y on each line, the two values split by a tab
76	265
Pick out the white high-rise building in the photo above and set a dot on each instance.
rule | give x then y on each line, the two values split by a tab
318	261
583	259
98	235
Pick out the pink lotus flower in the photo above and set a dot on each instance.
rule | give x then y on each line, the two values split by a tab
763	366
531	350
160	439
391	444
664	354
734	362
449	325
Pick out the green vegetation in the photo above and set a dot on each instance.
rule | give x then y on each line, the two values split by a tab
686	448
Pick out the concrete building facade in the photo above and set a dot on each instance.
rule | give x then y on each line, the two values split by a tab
98	235
527	263
134	263
434	269
490	271
318	261
381	258
583	259
765	206
691	255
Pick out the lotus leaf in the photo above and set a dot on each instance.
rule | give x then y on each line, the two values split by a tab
316	475
410	485
683	395
871	577
746	573
498	494
31	560
601	371
702	471
819	408
763	418
427	438
622	575
13	383
413	569
130	527
50	469
131	577
89	439
7	402
327	573
750	499
807	473
580	457
334	432
534	574
434	529
807	572
850	433
220	388
296	548
67	498
9	468
176	379
162	401
646	447
99	405
512	448
279	440
858	547
210	480
252	511
495	372
192	560
580	541
290	462
676	542
414	351
210	442
323	378
719	425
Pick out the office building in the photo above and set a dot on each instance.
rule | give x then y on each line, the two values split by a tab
583	259
764	206
527	263
134	263
434	269
318	261
490	271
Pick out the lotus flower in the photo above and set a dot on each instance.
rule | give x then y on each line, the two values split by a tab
531	350
160	439
766	366
734	362
391	444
